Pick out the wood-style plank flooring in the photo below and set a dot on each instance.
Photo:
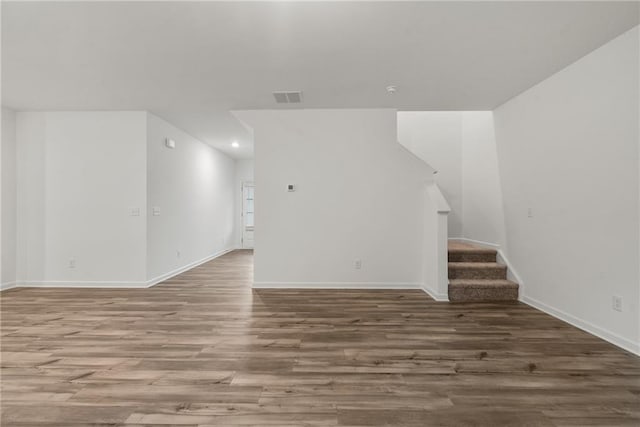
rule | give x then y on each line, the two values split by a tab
203	349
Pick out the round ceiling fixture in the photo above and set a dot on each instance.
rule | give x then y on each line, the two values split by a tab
235	144
391	90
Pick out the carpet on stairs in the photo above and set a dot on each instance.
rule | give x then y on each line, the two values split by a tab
475	275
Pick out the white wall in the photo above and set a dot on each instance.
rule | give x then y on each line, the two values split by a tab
435	243
30	199
80	173
244	173
568	149
436	138
87	183
359	196
193	186
460	145
9	200
483	211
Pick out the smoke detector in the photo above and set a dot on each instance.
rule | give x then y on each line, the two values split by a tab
288	97
391	90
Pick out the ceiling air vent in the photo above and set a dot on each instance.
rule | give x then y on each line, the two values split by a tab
284	97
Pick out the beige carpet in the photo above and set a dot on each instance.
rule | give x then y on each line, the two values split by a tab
474	275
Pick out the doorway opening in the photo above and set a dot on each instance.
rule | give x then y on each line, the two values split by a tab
248	214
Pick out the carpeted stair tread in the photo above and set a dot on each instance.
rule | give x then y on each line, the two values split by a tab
482	290
476	265
474	275
468	252
477	270
478	250
468	247
482	283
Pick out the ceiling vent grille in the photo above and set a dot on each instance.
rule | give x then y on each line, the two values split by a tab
286	97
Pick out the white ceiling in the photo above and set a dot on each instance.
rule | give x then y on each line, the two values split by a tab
191	62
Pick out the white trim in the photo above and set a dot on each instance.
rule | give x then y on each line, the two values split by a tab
350	285
7	285
512	274
87	284
166	276
243	228
336	285
436	296
586	326
115	284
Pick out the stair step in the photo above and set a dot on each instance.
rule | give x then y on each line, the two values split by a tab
468	252
462	290
477	270
472	255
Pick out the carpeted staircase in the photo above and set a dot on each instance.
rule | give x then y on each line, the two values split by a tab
474	275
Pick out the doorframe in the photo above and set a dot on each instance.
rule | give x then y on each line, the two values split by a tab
242	211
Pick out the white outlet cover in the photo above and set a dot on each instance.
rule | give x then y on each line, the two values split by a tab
616	303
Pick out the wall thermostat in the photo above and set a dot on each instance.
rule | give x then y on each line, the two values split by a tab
291	187
170	143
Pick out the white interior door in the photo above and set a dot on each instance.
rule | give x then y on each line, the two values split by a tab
248	213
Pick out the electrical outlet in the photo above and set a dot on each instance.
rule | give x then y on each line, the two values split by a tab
357	264
72	263
616	303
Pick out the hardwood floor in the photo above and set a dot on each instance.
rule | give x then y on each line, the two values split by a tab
204	349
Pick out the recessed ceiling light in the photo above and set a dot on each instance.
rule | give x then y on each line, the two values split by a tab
392	89
235	144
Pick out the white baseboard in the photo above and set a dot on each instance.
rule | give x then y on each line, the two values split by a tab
86	284
113	284
512	273
335	285
586	326
350	285
7	285
436	296
184	268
